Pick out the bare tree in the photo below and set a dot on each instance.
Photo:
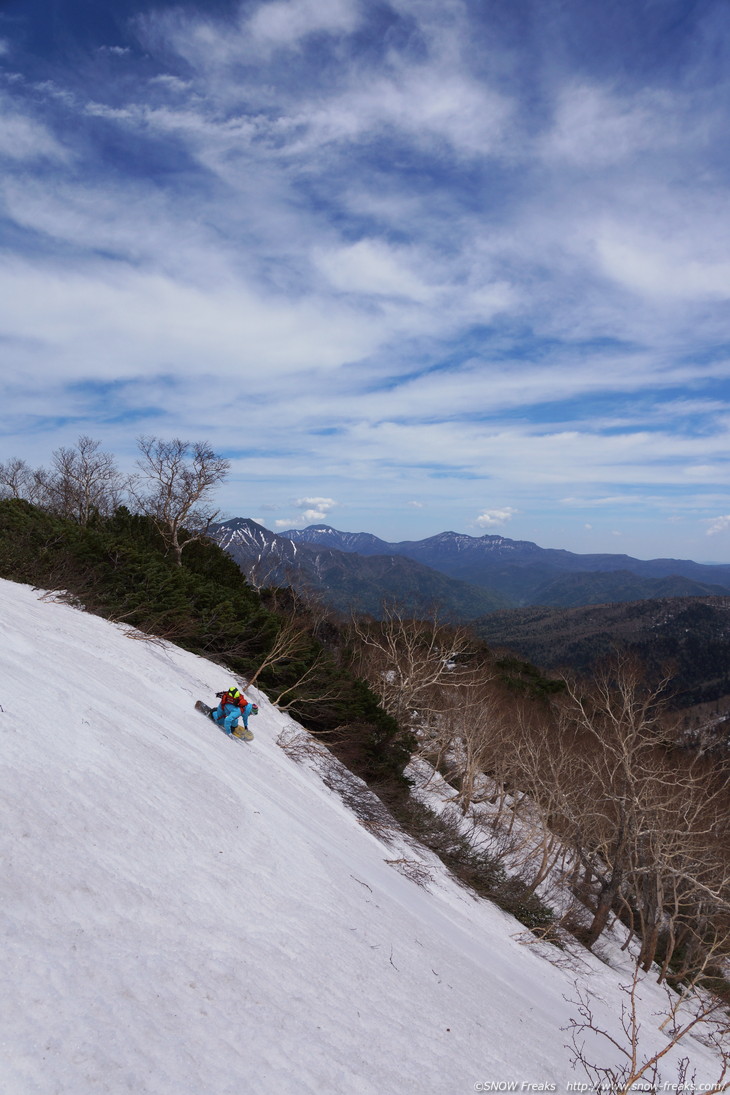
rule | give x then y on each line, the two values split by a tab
647	821
313	687
409	662
542	768
707	943
291	641
467	737
678	885
177	482
620	720
19	480
264	572
308	677
82	481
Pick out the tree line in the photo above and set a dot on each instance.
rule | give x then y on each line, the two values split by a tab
173	486
587	788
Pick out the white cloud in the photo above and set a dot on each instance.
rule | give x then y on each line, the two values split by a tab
22	138
214	47
317	509
107	319
433	99
314	511
718	524
171	83
326	503
594	126
424	103
374	268
664	267
611	501
286	22
493	518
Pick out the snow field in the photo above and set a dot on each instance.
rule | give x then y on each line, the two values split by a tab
188	915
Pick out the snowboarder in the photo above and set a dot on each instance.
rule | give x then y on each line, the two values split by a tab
232	707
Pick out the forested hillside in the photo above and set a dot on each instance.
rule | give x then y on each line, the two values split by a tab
686	637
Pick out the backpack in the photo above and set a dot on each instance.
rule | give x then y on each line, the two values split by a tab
238	701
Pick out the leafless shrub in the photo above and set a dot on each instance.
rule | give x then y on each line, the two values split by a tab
413	870
299	745
371	813
61	597
380	828
144	637
356	795
291	640
703	1015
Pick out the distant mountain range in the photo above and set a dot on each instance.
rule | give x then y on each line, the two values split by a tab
464	576
349	581
522	573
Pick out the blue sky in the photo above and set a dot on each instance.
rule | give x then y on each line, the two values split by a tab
412	265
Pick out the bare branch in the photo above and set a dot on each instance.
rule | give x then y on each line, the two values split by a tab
178	479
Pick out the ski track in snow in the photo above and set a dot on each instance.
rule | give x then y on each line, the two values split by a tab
184	914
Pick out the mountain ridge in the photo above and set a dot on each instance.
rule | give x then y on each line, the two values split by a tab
348	580
524	573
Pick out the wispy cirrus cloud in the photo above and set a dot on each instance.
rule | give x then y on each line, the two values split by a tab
24	139
442	256
595	126
284	23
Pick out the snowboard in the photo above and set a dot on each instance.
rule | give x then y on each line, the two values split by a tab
239	732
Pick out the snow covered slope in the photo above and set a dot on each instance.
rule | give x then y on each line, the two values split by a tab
183	914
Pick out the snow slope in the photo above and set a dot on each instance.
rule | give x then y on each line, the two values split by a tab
184	914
